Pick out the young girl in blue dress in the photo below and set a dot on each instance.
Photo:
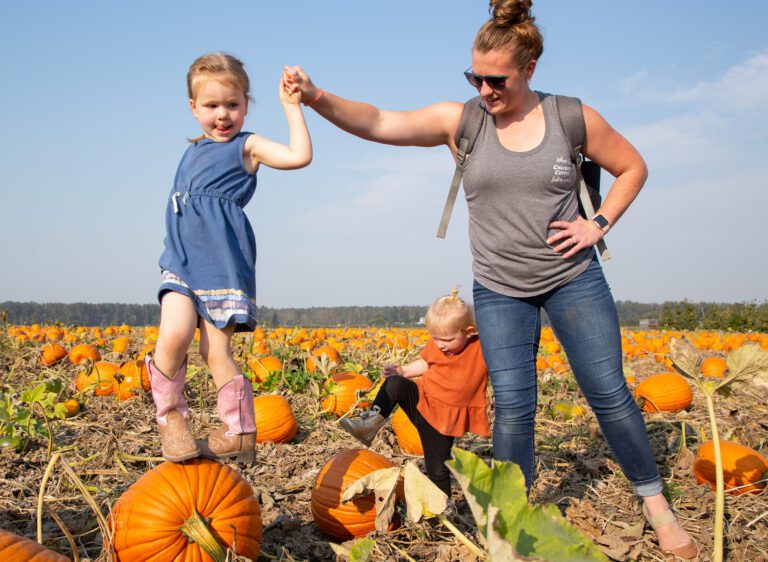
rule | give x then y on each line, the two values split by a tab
208	266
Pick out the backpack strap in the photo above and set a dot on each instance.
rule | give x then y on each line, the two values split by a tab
471	122
571	116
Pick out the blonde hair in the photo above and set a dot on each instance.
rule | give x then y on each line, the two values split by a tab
449	313
511	28
219	66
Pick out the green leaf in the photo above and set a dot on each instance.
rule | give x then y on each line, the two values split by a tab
60	410
22	416
34	395
474	477
361	550
511	527
54	386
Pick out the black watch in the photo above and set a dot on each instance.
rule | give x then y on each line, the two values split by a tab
602	222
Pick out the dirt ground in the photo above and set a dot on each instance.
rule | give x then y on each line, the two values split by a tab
111	444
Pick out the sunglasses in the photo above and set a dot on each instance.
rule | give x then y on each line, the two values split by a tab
494	82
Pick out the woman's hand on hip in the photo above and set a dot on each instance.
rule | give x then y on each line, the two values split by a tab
574	236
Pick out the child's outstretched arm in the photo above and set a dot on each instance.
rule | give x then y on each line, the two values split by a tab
413	369
298	152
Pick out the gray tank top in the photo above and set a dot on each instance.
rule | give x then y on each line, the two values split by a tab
512	197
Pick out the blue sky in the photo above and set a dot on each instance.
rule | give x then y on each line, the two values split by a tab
95	118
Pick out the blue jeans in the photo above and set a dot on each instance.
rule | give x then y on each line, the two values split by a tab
584	318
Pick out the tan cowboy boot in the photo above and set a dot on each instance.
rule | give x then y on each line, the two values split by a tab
237	435
364	427
178	443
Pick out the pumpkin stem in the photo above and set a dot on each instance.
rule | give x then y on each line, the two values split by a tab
196	530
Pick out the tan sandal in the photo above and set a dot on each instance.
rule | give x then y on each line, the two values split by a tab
687	551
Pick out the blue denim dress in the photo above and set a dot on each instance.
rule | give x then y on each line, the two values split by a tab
210	248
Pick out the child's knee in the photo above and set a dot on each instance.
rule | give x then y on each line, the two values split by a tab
215	357
394	385
174	341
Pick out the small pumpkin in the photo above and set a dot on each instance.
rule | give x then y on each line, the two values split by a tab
174	504
119	345
356	518
130	380
14	548
665	392
71	407
84	352
53	333
99	377
407	435
742	466
138	368
264	367
316	357
52	353
342	392
274	419
714	367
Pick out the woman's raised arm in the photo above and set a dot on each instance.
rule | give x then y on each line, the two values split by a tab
432	125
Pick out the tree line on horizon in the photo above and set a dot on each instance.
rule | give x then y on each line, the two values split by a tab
681	315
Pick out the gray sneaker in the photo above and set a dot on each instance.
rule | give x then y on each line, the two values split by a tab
364	427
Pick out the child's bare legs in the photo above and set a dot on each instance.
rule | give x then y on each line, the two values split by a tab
216	352
167	373
237	435
178	321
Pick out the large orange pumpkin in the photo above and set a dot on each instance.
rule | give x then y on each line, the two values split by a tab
52	353
153	515
84	352
407	435
666	392
342	395
742	466
14	548
274	419
356	518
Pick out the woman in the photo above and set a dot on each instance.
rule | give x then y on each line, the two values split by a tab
530	247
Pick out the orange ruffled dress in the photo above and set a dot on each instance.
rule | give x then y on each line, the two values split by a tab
452	391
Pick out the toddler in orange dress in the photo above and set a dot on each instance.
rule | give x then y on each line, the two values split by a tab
447	399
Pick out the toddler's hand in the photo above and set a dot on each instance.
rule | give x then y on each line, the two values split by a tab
288	90
390	370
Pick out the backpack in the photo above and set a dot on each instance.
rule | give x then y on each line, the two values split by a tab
571	120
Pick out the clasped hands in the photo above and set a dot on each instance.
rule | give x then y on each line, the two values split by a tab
296	84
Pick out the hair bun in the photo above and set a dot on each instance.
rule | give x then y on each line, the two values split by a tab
507	13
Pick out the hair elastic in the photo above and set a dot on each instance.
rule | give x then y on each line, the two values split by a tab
319	95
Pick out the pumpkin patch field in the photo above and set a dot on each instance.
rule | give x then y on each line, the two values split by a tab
82	477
